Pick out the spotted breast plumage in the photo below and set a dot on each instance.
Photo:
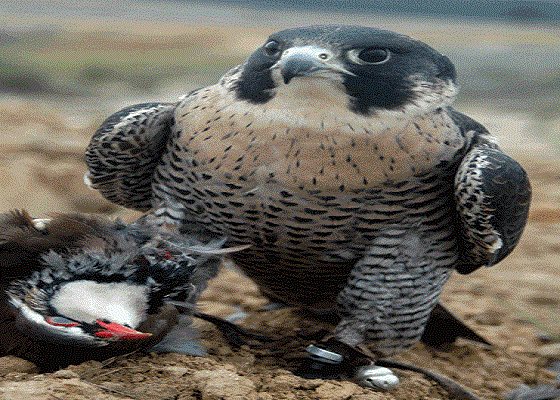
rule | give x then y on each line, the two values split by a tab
333	151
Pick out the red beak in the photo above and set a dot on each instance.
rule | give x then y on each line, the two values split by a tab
117	331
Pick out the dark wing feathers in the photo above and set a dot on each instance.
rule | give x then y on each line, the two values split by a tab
493	194
125	150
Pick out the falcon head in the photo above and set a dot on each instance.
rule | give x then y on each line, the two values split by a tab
370	69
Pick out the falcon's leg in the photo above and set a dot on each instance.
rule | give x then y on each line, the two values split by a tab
390	294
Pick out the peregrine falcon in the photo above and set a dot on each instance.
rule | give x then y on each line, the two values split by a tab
334	152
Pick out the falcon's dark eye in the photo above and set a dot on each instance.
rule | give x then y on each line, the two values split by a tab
374	56
273	48
371	55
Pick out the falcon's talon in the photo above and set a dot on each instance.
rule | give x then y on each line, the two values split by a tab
376	377
326	362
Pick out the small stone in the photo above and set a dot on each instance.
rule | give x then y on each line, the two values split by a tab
65	374
113	386
177	371
287	381
338	391
222	384
15	364
495	385
224	351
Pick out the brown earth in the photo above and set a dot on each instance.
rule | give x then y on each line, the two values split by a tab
41	169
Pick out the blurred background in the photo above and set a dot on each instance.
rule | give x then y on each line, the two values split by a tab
67	65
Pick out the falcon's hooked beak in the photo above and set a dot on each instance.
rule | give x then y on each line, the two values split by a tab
307	61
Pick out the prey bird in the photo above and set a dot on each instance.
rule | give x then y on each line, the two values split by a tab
77	287
333	151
